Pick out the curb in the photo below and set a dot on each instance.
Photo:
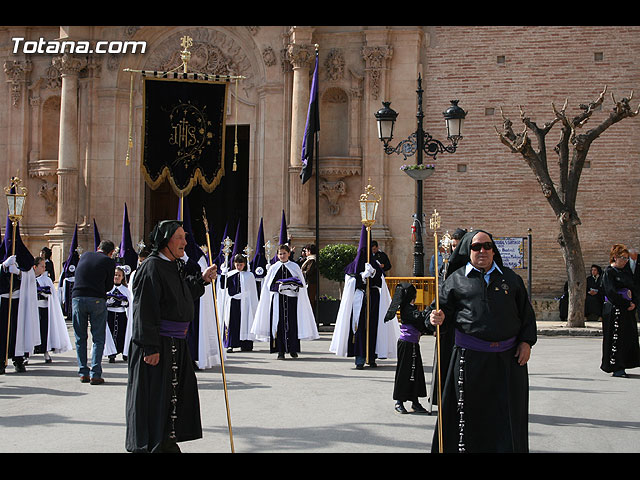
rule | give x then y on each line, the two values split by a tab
547	330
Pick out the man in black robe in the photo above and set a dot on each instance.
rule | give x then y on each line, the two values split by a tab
485	398
162	404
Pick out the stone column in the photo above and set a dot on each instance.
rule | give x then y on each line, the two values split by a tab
301	57
68	159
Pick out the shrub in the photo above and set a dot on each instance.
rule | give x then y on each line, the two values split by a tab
333	259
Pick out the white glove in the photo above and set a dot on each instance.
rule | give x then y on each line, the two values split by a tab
14	269
224	269
369	271
9	261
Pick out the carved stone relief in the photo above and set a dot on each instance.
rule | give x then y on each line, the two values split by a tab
375	63
17	72
49	191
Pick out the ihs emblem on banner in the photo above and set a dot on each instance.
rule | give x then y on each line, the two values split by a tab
190	133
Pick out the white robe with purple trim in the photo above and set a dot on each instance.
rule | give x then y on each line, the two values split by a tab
263	328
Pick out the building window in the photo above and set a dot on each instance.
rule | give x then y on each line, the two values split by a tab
489	111
462	167
501	60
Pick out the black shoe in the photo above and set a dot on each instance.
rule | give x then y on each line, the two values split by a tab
620	374
229	350
293	355
112	359
399	408
19	366
417	408
373	365
359	367
280	356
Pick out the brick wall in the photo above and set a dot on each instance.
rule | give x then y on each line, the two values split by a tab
491	67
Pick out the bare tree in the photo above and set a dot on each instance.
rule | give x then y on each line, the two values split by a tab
572	150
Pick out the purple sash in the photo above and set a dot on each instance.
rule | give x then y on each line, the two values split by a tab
173	329
472	343
623	292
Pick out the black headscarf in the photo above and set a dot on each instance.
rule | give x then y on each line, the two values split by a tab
162	232
402	296
462	254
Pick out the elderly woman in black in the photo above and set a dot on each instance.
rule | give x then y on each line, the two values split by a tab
620	349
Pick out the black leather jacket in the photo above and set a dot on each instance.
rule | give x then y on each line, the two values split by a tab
493	312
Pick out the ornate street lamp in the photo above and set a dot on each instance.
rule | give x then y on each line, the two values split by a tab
369	201
16	196
419	143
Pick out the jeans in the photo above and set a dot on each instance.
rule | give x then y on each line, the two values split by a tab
91	310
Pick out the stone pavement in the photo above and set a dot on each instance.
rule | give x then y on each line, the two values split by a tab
319	403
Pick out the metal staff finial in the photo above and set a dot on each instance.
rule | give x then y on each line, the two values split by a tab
247	252
186	43
434	221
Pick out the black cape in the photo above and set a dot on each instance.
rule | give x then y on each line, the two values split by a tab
489	391
161	292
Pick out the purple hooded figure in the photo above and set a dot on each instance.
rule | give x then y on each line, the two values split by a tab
352	326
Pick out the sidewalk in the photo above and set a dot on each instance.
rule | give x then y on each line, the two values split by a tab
560	328
551	328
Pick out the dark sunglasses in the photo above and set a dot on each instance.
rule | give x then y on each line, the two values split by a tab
477	246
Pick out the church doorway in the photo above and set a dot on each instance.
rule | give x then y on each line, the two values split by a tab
227	206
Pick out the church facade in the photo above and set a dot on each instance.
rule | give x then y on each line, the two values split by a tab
71	128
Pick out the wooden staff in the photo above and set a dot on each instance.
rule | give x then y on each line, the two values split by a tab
215	305
435	224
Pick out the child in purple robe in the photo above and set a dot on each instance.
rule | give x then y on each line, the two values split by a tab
409	379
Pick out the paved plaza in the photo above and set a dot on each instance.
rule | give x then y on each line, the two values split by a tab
318	403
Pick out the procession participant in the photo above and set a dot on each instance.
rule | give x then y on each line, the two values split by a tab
284	315
119	312
409	382
350	332
24	332
45	253
68	275
202	336
309	267
54	335
620	348
485	397
238	305
258	265
162	404
93	279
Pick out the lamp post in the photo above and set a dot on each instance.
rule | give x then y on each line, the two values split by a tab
420	143
16	196
369	201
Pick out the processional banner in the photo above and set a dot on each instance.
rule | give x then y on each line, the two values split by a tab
183	132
